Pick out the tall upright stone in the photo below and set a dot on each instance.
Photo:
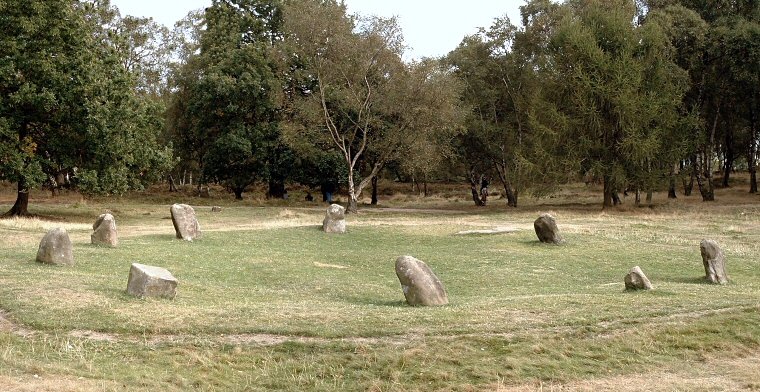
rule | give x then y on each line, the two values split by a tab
149	281
636	280
547	230
185	223
713	261
56	248
420	285
335	220
105	231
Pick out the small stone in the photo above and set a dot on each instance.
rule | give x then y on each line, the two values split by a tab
216	209
335	220
56	248
546	229
185	223
105	231
420	285
149	281
713	261
636	280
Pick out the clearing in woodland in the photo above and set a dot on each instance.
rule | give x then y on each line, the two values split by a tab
267	301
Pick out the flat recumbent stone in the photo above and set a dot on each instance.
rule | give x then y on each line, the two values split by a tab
149	281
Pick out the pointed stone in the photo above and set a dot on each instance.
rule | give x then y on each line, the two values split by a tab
335	220
105	231
546	229
636	280
185	223
713	261
149	281
56	248
420	285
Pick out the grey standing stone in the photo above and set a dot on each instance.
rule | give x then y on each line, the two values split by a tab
714	262
149	281
105	231
546	229
636	280
420	285
335	220
185	223
56	248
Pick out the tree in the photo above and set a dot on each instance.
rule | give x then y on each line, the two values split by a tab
67	104
618	90
226	108
356	85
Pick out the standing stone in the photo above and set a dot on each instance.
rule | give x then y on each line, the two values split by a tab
185	223
216	209
636	280
546	229
105	231
335	220
56	248
420	285
714	262
149	281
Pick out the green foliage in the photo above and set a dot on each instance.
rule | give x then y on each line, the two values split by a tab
68	102
226	110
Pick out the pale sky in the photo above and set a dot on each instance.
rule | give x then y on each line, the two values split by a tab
431	27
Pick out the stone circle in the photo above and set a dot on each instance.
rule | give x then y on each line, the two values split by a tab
420	285
713	261
150	281
185	223
636	280
105	231
546	229
335	219
56	248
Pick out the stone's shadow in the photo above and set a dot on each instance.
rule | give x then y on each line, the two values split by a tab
375	302
688	280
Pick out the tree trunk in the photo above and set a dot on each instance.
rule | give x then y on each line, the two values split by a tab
21	206
374	191
238	193
172	187
276	189
425	188
728	163
607	192
649	198
511	195
637	198
474	182
752	153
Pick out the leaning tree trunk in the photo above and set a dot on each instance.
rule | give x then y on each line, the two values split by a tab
21	206
474	181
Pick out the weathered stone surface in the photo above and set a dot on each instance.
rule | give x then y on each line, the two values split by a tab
149	281
335	220
636	280
56	248
105	231
546	229
216	209
185	223
714	262
420	285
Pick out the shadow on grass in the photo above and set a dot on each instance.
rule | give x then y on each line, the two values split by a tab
688	280
375	302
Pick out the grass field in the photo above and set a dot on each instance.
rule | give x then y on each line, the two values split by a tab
266	301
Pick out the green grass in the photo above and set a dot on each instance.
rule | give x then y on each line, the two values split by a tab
262	303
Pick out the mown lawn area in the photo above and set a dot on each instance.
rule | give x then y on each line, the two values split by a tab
267	301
